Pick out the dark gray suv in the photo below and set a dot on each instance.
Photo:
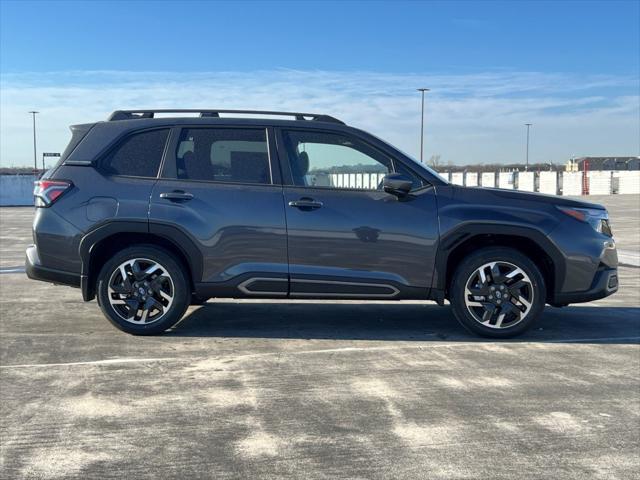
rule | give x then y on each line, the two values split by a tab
153	214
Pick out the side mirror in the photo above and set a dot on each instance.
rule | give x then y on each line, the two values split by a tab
397	184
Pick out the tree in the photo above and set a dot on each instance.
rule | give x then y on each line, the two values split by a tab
435	161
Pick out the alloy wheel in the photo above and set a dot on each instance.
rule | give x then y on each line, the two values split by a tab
141	291
499	295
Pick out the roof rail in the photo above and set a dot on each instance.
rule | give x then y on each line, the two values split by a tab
136	114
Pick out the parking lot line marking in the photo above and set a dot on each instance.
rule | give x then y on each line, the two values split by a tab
327	350
12	270
236	357
579	340
627	258
94	362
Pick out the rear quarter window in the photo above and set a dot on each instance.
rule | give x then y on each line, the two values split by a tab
138	155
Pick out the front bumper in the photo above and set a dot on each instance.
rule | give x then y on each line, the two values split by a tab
36	271
605	283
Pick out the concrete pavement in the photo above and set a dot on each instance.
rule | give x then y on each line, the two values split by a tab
257	389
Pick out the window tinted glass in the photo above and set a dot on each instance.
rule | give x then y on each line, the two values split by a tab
139	155
222	155
321	159
332	160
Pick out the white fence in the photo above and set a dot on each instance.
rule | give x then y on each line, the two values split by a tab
552	183
600	183
506	180
627	182
16	190
548	183
471	179
603	182
527	181
488	179
457	178
347	180
572	183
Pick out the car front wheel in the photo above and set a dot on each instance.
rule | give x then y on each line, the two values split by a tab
497	292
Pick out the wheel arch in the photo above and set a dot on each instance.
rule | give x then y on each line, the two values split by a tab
528	241
101	243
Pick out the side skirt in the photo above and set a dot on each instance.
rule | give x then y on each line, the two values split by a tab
260	285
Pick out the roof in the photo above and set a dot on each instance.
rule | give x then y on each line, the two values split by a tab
609	163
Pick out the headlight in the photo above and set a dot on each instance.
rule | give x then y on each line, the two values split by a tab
598	219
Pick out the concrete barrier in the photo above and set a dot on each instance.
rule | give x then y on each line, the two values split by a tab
457	178
471	179
527	181
488	179
600	182
628	182
16	190
548	183
572	183
506	180
347	180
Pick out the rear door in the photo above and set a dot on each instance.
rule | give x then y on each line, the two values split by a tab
347	237
221	187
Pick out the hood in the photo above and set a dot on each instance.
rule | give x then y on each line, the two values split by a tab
532	197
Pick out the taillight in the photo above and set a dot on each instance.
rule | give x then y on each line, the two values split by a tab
46	192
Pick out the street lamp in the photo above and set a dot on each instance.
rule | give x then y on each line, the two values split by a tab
35	157
422	90
527	164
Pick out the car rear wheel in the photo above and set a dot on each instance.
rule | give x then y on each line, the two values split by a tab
497	292
142	290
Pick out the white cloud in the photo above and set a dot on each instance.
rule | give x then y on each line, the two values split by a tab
469	118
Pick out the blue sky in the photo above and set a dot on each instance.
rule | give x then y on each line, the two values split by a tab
571	68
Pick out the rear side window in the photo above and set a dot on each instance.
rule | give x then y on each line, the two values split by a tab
233	155
139	155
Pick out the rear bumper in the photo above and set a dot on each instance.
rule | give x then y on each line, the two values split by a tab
36	271
605	283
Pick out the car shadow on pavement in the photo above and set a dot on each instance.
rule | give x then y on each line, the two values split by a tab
396	321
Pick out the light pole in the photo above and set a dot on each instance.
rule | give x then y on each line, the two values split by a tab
422	90
526	168
35	158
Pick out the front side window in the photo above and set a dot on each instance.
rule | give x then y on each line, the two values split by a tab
139	155
231	155
320	159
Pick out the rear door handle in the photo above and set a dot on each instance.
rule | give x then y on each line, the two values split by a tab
177	196
305	204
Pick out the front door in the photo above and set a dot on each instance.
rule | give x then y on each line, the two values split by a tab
346	236
220	187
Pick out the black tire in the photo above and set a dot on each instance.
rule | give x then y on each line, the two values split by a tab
180	289
475	261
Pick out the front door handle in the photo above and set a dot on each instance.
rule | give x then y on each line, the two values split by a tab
305	204
177	196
